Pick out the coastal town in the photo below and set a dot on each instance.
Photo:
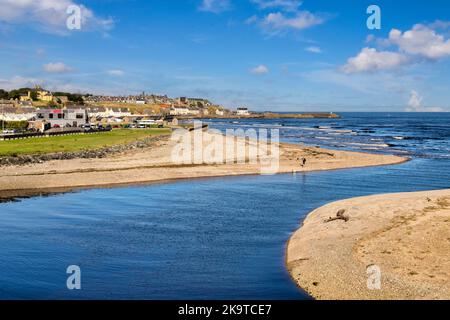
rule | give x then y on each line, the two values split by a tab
39	110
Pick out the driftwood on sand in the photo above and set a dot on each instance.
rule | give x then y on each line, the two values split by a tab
339	216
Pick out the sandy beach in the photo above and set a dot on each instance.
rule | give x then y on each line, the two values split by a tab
407	236
154	164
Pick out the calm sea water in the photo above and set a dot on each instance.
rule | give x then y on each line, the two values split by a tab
209	238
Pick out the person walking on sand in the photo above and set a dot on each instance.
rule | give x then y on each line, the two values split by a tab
303	162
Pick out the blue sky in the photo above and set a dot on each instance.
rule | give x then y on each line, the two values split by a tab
282	55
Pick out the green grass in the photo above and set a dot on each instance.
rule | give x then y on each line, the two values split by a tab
75	142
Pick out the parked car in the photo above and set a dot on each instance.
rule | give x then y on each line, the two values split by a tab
87	127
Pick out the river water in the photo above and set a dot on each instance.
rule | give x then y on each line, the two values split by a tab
220	238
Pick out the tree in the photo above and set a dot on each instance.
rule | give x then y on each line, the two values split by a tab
34	95
52	105
15	94
4	94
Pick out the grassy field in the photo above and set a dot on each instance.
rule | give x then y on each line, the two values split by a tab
75	142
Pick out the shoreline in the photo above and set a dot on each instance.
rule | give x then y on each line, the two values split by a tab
10	195
153	165
405	235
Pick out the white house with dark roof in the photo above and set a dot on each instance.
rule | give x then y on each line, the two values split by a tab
242	111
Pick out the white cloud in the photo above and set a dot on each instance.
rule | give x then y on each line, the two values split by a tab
314	49
49	15
287	16
57	67
40	52
422	41
251	20
415	101
415	104
215	6
18	82
260	70
439	24
301	20
370	59
116	72
286	5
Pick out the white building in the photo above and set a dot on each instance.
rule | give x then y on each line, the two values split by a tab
179	111
109	112
16	114
10	117
63	117
194	111
243	111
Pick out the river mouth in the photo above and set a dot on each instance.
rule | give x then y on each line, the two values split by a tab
207	238
219	238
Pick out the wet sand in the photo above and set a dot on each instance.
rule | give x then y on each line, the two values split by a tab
406	236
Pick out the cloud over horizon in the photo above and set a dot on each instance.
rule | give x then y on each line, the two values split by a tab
415	104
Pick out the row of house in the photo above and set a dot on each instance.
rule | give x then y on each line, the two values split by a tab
46	118
8	112
196	111
16	114
132	99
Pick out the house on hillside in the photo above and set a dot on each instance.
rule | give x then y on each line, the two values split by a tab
25	97
194	111
179	111
43	95
199	102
